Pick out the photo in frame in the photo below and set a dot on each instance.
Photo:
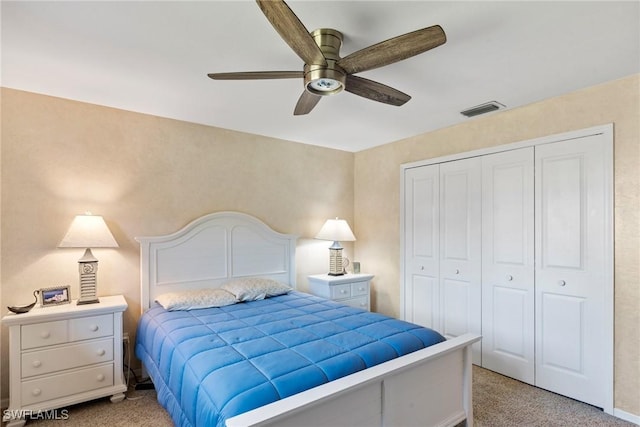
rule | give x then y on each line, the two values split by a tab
55	296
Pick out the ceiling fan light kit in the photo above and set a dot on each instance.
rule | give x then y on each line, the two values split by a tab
325	73
330	79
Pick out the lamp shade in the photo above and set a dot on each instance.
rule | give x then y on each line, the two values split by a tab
337	230
88	231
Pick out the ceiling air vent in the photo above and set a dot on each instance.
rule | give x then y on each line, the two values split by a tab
487	107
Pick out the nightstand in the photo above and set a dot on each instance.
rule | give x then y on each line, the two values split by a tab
65	354
350	289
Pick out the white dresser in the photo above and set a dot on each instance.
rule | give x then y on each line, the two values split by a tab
63	355
350	289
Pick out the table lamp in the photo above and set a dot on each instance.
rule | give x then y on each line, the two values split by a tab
336	230
88	231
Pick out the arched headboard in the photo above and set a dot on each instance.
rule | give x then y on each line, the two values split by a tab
212	250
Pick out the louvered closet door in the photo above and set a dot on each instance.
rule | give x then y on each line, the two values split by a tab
572	222
508	264
421	287
460	274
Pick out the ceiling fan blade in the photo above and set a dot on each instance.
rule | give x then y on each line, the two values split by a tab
292	31
257	75
375	91
393	50
306	102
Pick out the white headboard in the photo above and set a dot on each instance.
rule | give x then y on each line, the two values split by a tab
210	251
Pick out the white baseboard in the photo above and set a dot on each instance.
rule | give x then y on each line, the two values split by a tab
623	415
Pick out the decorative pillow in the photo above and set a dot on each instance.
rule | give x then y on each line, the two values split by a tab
194	299
255	288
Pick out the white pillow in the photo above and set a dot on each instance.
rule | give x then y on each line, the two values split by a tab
255	288
194	299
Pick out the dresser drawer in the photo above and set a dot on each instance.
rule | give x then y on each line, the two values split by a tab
341	291
359	288
55	386
43	334
66	357
84	328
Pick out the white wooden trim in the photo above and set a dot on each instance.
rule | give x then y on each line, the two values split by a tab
605	130
403	233
627	416
549	139
609	310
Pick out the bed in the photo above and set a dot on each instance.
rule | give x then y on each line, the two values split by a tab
356	369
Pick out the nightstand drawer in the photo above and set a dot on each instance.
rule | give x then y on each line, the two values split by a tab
359	302
341	291
359	288
66	357
85	328
43	334
350	289
55	386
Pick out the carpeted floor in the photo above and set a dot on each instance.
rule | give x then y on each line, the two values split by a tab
498	401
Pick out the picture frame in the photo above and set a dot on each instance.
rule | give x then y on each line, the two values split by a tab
55	295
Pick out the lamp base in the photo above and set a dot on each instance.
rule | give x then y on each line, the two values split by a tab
336	267
88	267
87	301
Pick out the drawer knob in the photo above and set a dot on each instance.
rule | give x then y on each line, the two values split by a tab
509	277
36	363
457	271
561	282
36	392
343	291
361	288
45	334
100	377
93	328
101	352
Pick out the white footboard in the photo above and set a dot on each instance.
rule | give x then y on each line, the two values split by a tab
431	387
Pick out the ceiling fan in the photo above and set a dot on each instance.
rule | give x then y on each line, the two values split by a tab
325	73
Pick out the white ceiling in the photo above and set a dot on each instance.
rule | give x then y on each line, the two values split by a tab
154	56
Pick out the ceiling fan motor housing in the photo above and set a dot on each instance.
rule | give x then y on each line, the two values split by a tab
329	79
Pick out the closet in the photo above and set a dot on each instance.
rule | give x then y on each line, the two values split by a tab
516	243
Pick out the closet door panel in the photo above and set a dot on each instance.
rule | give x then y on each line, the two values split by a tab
508	263
571	278
422	296
460	266
424	302
456	307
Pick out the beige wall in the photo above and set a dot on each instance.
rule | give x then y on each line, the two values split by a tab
377	199
146	176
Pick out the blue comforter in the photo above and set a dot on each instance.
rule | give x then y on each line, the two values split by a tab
212	364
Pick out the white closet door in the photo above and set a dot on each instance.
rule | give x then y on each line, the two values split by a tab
508	264
421	287
573	225
460	246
